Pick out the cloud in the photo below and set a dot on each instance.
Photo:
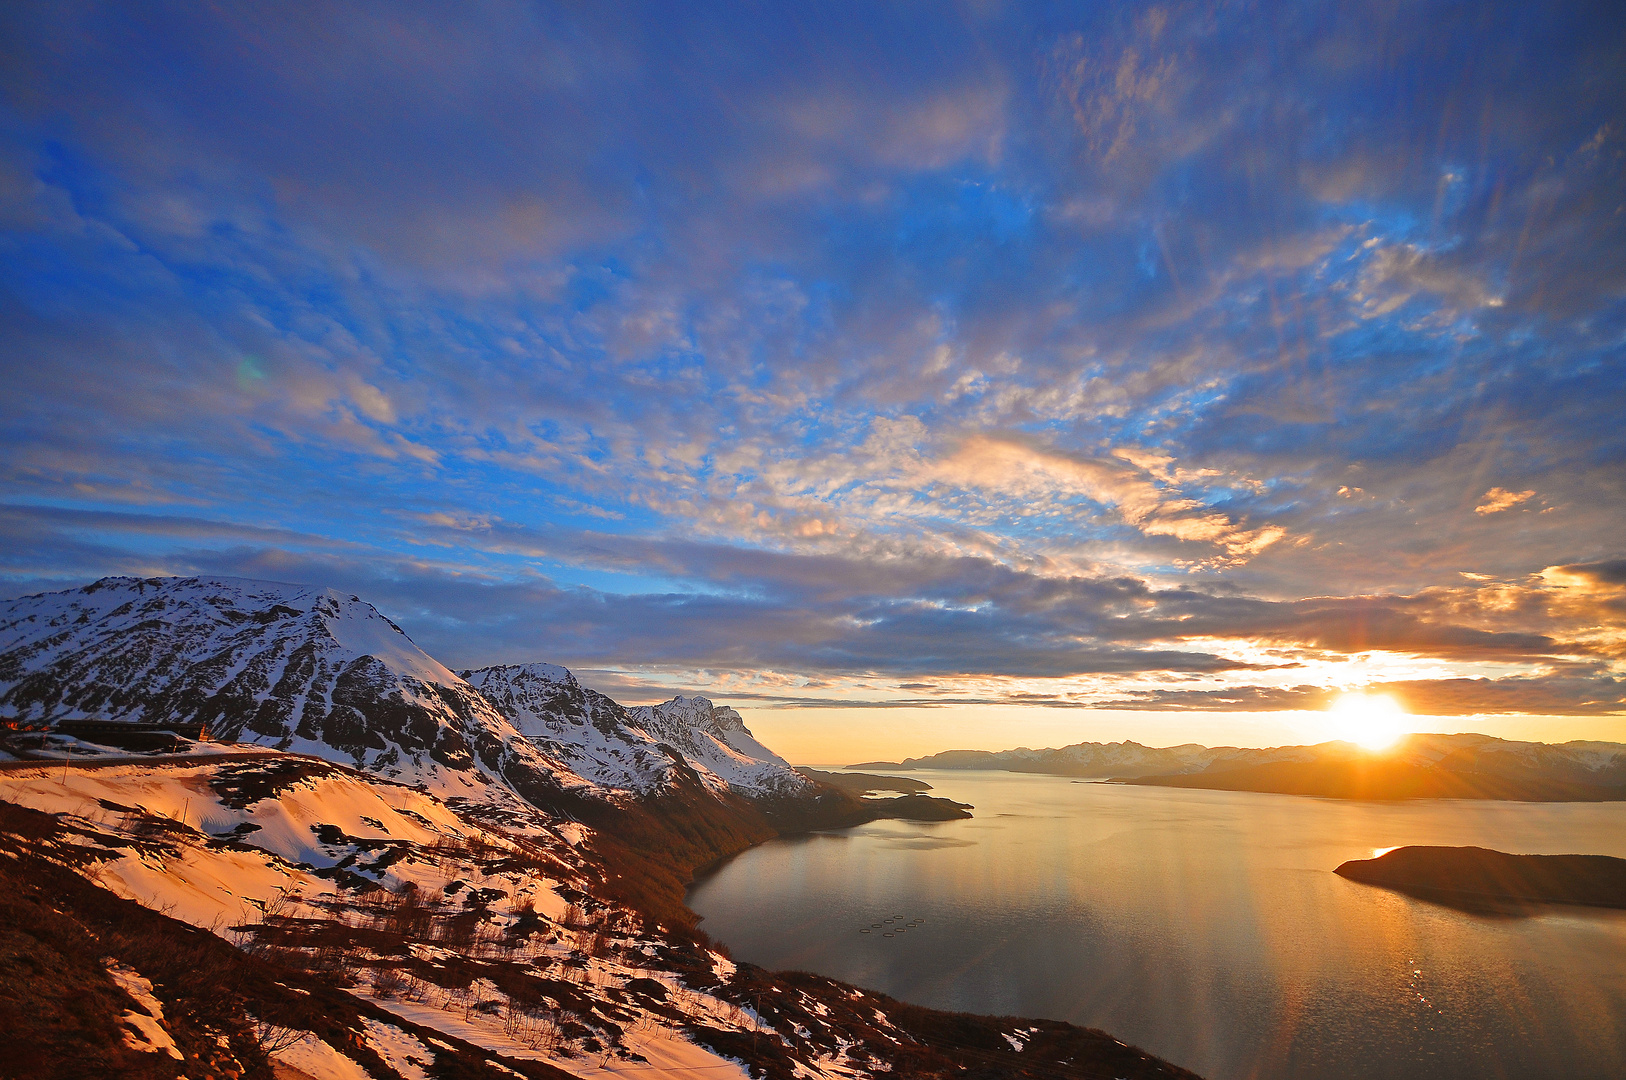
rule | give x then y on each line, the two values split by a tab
1043	480
1499	499
1129	347
1543	696
1396	273
1608	575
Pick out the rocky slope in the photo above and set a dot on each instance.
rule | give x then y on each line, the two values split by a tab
638	749
582	727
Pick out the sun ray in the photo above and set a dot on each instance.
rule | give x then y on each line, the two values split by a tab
1372	721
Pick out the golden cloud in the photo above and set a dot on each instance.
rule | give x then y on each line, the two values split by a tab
1499	499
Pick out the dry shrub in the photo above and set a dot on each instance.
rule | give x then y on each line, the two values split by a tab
388	981
410	917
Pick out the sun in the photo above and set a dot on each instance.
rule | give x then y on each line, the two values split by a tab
1374	721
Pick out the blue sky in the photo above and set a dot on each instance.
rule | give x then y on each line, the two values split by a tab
1053	361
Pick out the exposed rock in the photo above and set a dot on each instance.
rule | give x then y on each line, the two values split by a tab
581	727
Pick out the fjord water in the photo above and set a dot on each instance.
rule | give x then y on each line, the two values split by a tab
1206	927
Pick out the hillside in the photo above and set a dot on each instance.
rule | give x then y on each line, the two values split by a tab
159	920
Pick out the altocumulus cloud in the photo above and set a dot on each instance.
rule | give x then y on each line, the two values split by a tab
1184	357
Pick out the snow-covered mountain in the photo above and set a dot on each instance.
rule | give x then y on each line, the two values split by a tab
309	670
715	737
321	672
637	749
582	727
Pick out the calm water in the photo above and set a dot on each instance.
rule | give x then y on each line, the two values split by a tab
1206	927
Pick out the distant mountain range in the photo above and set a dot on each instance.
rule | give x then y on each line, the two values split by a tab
1094	760
1416	767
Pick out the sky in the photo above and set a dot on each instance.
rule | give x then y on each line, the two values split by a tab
907	376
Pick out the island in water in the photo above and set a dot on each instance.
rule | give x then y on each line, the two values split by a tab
1475	876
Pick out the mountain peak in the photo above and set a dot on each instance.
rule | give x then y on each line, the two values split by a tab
536	672
310	669
716	736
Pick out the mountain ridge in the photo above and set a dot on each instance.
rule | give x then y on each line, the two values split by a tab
322	672
1417	766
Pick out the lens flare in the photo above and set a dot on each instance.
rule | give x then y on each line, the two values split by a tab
1374	721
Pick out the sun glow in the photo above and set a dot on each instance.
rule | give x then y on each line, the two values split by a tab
1374	721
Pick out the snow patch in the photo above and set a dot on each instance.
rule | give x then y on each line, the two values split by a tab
722	966
401	1051
320	1061
144	1031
